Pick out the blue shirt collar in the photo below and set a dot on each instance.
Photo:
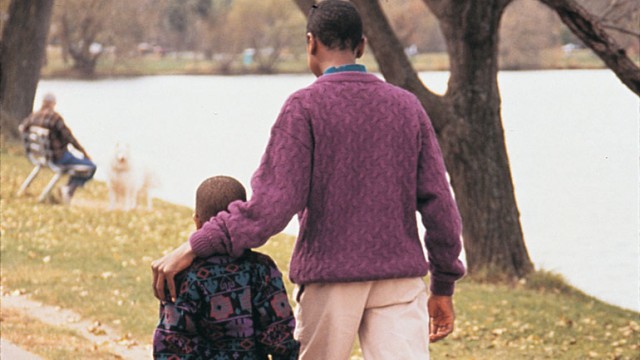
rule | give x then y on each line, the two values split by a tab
343	68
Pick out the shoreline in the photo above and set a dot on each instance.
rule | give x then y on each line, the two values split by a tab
110	66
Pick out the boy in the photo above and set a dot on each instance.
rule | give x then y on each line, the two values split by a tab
227	308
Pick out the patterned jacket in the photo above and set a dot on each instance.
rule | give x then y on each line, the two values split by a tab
227	309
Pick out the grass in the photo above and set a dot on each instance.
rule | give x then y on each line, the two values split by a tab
97	263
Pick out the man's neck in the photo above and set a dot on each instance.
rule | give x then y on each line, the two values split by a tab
345	68
337	59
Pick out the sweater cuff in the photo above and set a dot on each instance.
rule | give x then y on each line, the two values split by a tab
204	245
443	288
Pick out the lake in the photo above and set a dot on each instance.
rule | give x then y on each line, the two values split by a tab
572	138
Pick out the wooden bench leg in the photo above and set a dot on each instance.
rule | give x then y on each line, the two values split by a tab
49	187
29	179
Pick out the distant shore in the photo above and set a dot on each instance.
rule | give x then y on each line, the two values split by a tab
110	66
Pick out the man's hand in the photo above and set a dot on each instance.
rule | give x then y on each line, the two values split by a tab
441	317
167	267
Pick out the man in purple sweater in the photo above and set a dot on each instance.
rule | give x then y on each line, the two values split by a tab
355	158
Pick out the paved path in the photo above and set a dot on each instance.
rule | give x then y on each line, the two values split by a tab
9	351
96	333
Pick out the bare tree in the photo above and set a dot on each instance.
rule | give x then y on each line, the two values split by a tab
22	50
81	22
275	25
467	117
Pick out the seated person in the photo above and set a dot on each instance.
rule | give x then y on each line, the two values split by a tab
226	308
61	136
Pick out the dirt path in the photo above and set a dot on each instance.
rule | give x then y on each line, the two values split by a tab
98	334
9	350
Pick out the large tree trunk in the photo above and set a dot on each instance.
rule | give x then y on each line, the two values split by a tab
473	140
22	52
589	30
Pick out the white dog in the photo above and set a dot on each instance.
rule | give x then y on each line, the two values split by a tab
128	180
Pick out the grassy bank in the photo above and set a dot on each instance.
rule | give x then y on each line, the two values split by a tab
97	263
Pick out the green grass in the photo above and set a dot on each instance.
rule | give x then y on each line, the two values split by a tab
97	263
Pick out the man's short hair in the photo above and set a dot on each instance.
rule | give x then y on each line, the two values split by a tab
336	23
215	194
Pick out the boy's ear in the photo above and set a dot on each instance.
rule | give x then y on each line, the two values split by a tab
196	221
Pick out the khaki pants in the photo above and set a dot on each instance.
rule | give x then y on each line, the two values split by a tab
389	316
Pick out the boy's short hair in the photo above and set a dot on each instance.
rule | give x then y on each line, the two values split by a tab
336	23
215	194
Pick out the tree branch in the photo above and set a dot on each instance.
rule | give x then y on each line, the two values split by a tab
591	32
621	29
612	7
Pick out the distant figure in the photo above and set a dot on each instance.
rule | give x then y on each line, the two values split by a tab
226	308
60	136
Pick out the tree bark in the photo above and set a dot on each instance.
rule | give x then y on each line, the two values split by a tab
590	31
473	140
22	52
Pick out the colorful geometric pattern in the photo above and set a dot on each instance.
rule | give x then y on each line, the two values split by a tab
227	309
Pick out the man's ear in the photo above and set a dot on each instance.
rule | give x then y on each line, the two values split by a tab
360	48
312	44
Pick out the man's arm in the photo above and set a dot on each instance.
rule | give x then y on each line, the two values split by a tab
280	188
442	220
66	134
439	214
25	124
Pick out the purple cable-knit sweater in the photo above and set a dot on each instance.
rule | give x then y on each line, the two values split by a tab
355	158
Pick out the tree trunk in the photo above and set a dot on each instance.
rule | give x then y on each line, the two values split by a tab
589	30
473	140
21	56
77	42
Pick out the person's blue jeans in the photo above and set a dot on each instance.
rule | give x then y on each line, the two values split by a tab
75	181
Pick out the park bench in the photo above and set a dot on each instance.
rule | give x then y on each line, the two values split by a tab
37	146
